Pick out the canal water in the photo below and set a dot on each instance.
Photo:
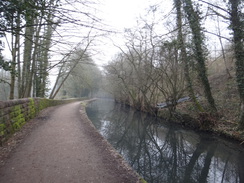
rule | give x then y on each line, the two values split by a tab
164	152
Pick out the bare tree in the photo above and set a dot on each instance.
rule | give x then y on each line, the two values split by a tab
147	70
32	25
84	80
74	59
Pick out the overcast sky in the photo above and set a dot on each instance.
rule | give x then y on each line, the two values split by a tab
119	15
123	14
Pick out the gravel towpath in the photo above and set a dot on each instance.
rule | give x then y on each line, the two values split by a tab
64	147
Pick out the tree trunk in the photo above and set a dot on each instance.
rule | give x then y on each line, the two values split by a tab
238	36
15	55
194	21
19	69
29	32
44	59
13	66
184	56
34	56
223	51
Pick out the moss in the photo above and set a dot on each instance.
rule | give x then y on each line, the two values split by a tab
31	109
2	129
12	121
17	117
44	103
143	180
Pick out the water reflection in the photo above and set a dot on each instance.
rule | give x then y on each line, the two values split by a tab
166	153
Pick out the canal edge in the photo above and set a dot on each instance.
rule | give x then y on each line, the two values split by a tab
118	157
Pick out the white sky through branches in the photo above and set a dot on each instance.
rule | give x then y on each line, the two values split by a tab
117	15
122	14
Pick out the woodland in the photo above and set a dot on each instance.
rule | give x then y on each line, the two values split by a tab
164	58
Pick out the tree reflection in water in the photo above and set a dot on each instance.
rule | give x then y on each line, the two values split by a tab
165	153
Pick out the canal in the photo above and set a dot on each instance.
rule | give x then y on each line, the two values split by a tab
161	152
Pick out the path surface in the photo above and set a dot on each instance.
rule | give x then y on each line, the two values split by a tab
64	147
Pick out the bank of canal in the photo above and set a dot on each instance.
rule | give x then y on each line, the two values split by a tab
163	152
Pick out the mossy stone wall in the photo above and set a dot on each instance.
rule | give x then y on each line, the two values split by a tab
15	113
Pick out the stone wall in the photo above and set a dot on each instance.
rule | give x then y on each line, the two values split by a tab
15	113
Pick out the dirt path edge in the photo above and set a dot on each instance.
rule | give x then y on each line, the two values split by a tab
120	160
13	142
